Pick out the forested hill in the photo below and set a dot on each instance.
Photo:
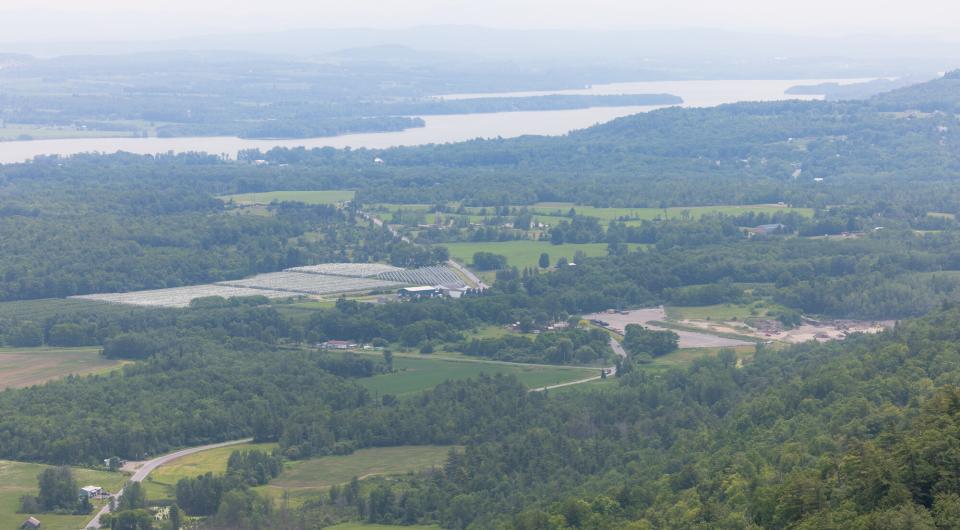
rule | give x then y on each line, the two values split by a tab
801	153
938	95
862	434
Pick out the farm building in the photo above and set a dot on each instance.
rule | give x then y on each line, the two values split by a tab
412	293
765	230
454	290
31	523
338	345
91	492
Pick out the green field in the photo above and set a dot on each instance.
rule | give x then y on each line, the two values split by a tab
722	312
46	307
161	483
610	214
19	478
686	356
22	367
307	197
367	526
525	253
321	473
416	374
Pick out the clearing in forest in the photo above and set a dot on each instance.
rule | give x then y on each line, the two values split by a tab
306	197
525	253
161	483
415	374
323	472
23	367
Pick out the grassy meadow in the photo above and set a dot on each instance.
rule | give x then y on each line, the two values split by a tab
370	526
306	197
323	472
18	479
525	253
162	482
301	478
684	357
23	367
723	312
416	374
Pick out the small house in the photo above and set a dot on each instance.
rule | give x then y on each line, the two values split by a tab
31	523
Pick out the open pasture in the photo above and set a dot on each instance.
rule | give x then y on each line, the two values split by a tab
23	367
723	312
161	483
416	374
306	197
323	472
525	253
369	526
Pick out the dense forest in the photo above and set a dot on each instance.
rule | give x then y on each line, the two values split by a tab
859	434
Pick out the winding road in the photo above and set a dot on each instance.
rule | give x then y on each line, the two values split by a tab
145	468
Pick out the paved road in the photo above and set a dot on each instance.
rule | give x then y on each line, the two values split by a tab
147	467
469	274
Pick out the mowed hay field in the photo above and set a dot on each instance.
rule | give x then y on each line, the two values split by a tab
695	212
368	526
19	478
414	374
525	253
723	312
22	367
323	472
162	482
306	197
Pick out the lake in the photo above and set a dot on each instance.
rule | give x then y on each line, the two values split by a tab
441	129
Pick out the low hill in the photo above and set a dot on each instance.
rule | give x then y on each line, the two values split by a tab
941	94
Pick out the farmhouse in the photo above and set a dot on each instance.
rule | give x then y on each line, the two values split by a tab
338	345
91	492
31	523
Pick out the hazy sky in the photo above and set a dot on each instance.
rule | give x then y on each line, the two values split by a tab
38	20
